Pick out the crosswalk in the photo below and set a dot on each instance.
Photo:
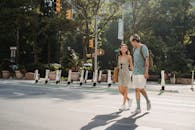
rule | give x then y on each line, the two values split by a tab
170	111
99	107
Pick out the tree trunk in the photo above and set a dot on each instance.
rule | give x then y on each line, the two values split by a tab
133	27
17	46
58	48
35	49
48	53
58	52
84	45
86	42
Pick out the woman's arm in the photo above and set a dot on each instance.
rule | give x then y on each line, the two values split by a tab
130	62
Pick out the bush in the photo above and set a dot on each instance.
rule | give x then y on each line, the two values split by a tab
184	75
5	65
21	68
64	72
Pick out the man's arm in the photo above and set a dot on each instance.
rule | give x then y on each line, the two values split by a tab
146	55
146	67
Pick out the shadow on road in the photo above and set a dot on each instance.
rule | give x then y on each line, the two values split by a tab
128	123
101	120
27	92
121	124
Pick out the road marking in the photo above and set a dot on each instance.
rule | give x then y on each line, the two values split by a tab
147	128
171	100
172	103
18	94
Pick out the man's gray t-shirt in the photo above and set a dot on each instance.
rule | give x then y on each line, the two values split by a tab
139	62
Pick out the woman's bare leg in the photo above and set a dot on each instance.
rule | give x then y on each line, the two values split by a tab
125	97
121	90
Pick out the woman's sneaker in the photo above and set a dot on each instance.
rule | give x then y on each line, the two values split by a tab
122	108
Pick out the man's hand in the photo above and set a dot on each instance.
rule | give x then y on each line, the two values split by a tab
146	75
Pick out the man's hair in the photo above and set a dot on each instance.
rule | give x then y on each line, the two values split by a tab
135	37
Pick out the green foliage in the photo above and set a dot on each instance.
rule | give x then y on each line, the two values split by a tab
70	59
5	65
111	44
164	30
165	26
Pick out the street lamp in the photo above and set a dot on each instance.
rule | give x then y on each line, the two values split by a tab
13	53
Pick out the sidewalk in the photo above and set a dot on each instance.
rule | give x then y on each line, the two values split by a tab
151	86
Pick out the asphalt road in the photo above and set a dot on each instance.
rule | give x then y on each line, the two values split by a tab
37	107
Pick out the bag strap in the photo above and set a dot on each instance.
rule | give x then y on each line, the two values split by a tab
118	59
141	52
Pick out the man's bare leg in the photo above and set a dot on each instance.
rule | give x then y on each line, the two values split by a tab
147	99
137	92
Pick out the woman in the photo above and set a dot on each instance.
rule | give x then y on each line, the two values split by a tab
124	62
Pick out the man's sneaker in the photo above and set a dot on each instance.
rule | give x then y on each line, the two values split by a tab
137	111
129	103
122	108
148	106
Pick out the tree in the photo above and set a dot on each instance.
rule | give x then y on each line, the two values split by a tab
11	20
24	25
85	17
163	29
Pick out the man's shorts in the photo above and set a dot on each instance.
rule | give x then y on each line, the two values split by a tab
139	81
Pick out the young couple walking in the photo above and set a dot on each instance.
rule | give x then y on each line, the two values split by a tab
139	65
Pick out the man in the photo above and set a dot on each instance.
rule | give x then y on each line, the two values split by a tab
140	71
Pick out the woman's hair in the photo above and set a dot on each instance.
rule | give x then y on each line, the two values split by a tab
127	52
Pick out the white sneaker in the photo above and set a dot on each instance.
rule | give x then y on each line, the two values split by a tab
122	108
137	111
148	106
129	103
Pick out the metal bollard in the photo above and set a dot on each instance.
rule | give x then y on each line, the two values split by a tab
95	77
109	79
81	78
192	87
36	76
174	79
100	76
69	76
86	75
162	80
47	76
58	76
